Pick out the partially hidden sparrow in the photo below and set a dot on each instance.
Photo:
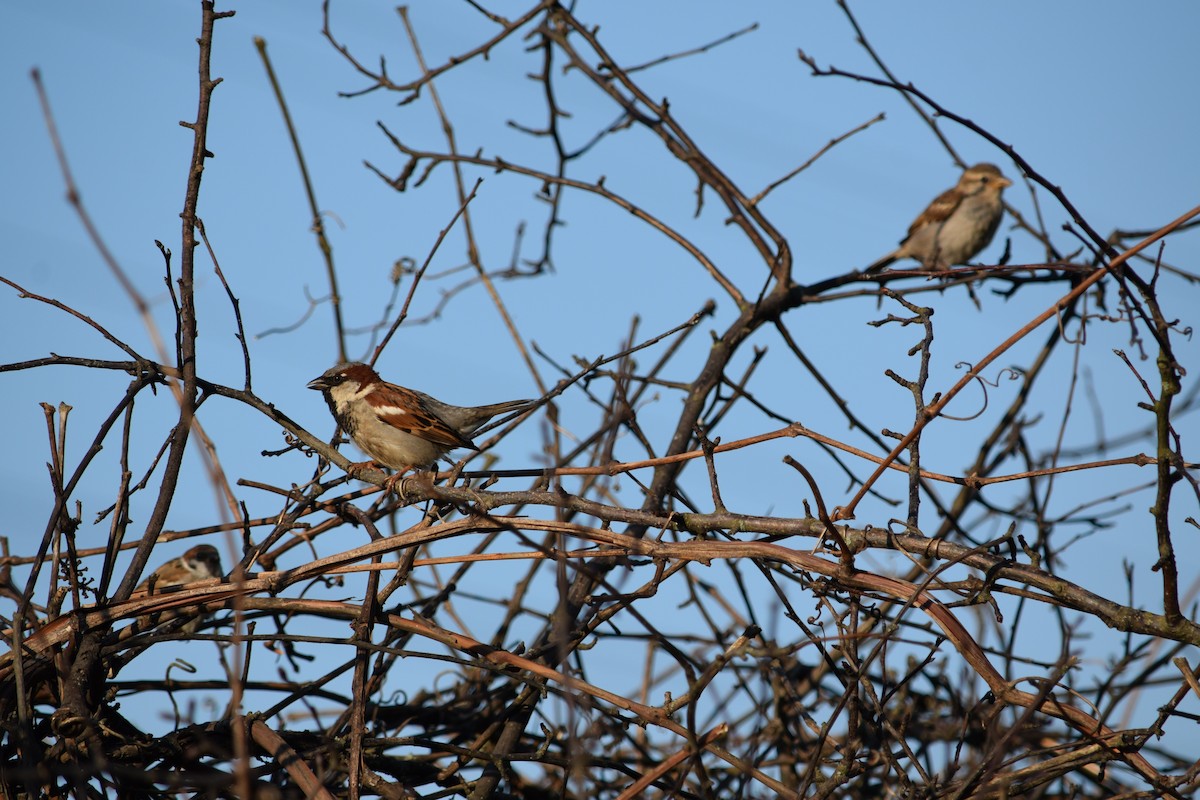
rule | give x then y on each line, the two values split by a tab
400	428
958	224
197	564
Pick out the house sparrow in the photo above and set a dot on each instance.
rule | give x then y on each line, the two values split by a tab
197	564
957	224
397	427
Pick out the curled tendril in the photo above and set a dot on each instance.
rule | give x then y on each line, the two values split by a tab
187	667
1011	373
292	443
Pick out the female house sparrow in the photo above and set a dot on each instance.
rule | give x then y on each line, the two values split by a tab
197	564
397	427
957	224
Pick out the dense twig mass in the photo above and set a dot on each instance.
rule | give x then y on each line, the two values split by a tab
610	621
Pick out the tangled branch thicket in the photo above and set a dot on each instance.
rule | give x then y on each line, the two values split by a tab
611	623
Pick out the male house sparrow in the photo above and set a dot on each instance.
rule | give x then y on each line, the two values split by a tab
397	427
197	564
957	224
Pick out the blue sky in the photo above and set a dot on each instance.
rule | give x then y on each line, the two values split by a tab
1098	98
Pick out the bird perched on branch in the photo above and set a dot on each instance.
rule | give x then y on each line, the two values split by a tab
400	428
197	564
958	224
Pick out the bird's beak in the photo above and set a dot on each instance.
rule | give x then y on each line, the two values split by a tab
1004	183
319	384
